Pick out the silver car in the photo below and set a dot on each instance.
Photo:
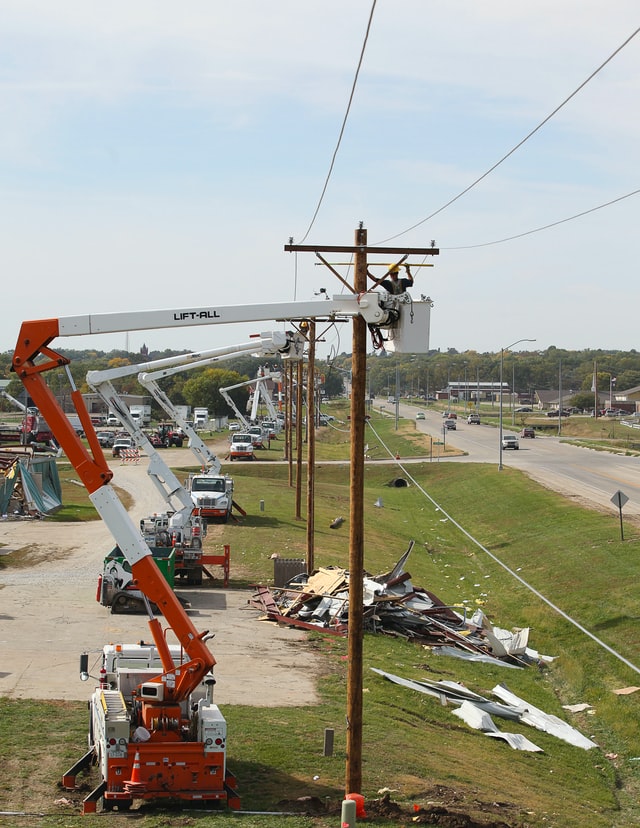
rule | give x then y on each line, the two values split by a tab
510	441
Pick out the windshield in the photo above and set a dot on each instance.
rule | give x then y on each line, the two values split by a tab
207	484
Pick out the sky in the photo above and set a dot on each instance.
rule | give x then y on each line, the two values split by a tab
157	154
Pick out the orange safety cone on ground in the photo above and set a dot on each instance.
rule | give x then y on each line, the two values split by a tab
135	785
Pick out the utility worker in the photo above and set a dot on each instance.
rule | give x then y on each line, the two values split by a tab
395	285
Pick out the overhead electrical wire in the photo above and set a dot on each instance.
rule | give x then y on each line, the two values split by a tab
545	226
344	123
517	146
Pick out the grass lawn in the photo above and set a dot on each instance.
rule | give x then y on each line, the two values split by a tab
411	743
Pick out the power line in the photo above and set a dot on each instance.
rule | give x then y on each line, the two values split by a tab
517	146
507	569
545	226
344	123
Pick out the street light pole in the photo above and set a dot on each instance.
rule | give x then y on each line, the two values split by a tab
502	350
465	388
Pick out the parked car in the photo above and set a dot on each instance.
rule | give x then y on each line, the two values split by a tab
121	443
234	426
528	431
420	415
450	424
555	413
105	438
473	419
510	441
524	409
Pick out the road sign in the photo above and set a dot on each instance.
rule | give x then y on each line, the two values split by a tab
619	499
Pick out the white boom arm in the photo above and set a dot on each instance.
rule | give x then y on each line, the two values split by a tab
228	399
405	321
260	389
262	392
163	478
269	344
4	393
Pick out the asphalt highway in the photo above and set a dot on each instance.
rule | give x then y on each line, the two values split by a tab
579	473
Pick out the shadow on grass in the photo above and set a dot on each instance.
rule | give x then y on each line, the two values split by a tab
261	788
616	622
260	521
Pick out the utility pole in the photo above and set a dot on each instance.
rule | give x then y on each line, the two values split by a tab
353	775
311	447
288	420
299	389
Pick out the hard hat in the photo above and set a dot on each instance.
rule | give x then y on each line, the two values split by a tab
393	268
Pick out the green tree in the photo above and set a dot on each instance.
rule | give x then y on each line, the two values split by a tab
584	400
204	390
333	382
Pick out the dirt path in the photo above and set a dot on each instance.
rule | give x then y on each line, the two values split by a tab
49	615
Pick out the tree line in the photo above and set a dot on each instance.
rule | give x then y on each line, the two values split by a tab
408	374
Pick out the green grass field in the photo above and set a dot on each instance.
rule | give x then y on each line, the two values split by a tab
411	743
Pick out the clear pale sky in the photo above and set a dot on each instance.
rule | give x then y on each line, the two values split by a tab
158	154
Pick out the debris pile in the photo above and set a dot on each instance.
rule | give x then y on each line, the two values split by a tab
392	605
476	711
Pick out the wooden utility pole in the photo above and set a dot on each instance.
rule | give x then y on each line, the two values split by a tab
287	420
353	776
311	447
299	390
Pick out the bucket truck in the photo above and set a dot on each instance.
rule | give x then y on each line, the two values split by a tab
155	732
184	528
211	491
260	392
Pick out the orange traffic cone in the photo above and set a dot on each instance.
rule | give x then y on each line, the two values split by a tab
135	785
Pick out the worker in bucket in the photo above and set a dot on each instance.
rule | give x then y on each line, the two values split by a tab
394	284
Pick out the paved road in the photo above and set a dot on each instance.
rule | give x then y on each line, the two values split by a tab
576	472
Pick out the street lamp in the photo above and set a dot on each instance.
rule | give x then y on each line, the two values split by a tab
502	350
612	382
465	388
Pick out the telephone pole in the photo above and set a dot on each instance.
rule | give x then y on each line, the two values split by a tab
353	775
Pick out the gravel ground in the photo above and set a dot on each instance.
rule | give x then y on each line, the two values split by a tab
49	615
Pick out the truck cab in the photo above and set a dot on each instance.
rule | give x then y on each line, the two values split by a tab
212	495
241	447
